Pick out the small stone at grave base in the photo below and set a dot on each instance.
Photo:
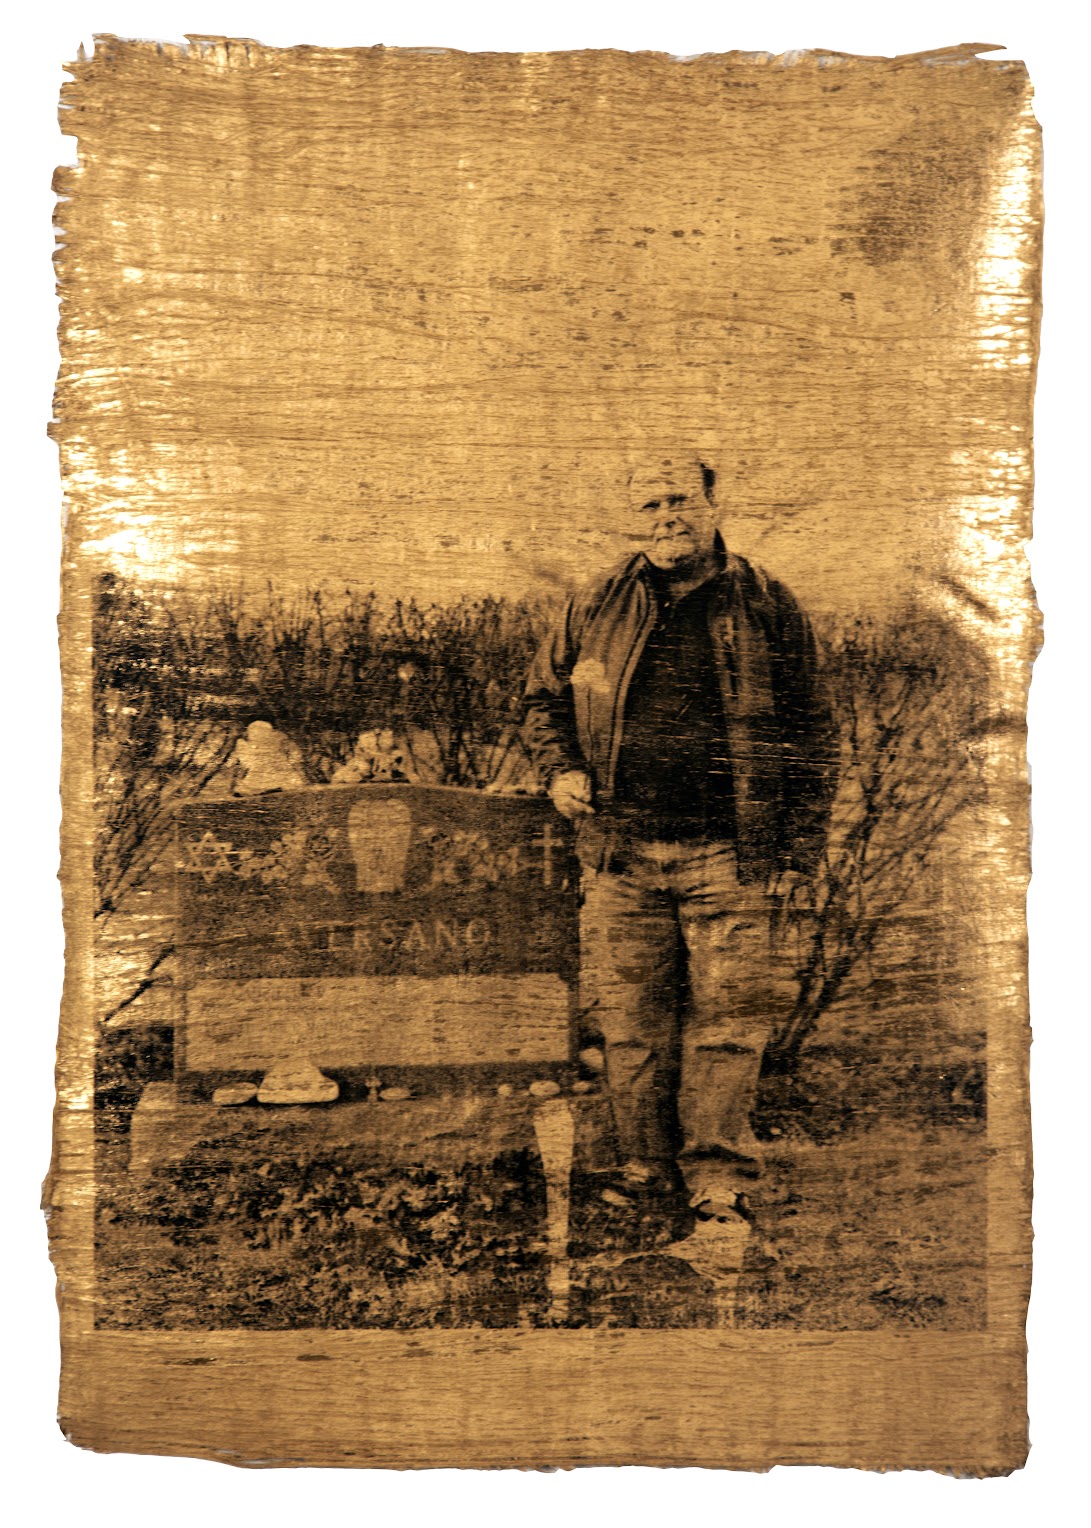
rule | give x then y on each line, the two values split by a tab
297	1082
583	1086
395	1095
505	1090
233	1093
592	1058
544	1088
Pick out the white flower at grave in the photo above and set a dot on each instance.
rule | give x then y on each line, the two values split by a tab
268	761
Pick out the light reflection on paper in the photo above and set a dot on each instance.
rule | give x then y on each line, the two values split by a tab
1005	305
143	548
989	593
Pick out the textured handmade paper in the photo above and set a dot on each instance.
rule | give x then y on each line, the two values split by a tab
365	355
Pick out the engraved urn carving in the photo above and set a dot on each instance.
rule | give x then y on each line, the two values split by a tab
379	834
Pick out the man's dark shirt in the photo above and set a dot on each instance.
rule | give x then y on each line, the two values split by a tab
673	774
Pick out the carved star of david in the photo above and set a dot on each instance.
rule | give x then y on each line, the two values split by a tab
207	857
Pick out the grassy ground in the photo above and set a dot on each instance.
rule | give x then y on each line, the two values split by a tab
871	1213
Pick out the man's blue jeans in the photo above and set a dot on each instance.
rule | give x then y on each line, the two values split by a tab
678	969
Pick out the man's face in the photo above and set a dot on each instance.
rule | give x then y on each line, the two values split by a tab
674	521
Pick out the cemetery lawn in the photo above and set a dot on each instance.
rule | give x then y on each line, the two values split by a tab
872	1214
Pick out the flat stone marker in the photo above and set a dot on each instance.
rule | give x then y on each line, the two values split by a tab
555	1131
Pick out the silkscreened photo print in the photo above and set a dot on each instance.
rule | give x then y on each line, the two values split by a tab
546	633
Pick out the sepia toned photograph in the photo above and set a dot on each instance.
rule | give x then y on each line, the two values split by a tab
528	958
546	631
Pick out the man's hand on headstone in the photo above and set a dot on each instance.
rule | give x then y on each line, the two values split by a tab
570	793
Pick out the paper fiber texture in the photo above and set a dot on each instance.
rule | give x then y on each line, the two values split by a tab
546	634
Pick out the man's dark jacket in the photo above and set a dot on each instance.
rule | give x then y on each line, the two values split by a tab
781	740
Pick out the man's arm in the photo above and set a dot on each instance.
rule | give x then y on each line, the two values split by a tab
549	724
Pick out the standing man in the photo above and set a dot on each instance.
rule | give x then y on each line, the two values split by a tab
677	717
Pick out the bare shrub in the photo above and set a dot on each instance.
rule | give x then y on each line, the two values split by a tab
911	701
159	735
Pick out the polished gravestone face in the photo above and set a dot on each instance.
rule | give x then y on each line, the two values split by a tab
375	926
